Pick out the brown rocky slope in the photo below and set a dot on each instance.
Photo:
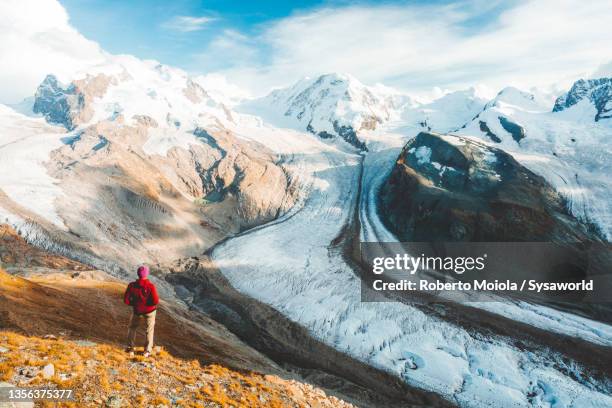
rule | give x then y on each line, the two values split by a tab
65	328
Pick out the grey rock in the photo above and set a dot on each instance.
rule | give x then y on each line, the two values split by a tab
65	376
516	130
27	372
85	343
58	103
485	128
48	371
114	401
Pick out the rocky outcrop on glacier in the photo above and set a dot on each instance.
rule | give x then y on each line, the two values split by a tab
516	131
597	91
564	147
56	102
450	188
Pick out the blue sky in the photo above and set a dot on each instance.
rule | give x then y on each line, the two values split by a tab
411	45
179	32
144	27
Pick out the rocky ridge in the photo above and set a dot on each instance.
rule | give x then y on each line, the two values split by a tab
597	91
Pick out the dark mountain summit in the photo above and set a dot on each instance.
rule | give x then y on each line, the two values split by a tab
450	188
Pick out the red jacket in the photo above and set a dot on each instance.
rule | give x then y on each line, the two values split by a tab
142	296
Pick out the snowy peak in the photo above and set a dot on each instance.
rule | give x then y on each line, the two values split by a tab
178	165
455	99
596	91
447	113
127	89
332	105
515	98
501	119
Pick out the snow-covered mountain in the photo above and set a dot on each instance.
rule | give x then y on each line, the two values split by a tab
495	118
338	105
331	105
127	87
447	113
596	91
129	151
566	146
563	144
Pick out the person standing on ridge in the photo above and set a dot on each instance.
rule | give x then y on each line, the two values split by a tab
142	296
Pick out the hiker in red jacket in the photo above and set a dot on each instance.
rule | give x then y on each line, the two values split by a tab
142	296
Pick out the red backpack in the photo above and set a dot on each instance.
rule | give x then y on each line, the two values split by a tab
140	295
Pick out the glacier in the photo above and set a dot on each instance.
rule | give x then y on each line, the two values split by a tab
292	266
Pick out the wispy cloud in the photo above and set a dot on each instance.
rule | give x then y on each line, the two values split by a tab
521	43
228	46
186	24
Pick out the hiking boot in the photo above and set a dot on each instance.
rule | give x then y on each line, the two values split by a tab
146	354
130	351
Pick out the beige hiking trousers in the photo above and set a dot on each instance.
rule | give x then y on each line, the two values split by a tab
135	323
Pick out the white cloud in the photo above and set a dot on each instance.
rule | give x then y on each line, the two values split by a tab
36	39
187	24
418	47
228	47
604	70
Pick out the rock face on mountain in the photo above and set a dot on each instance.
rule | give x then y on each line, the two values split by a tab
331	105
69	105
597	91
516	131
450	188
